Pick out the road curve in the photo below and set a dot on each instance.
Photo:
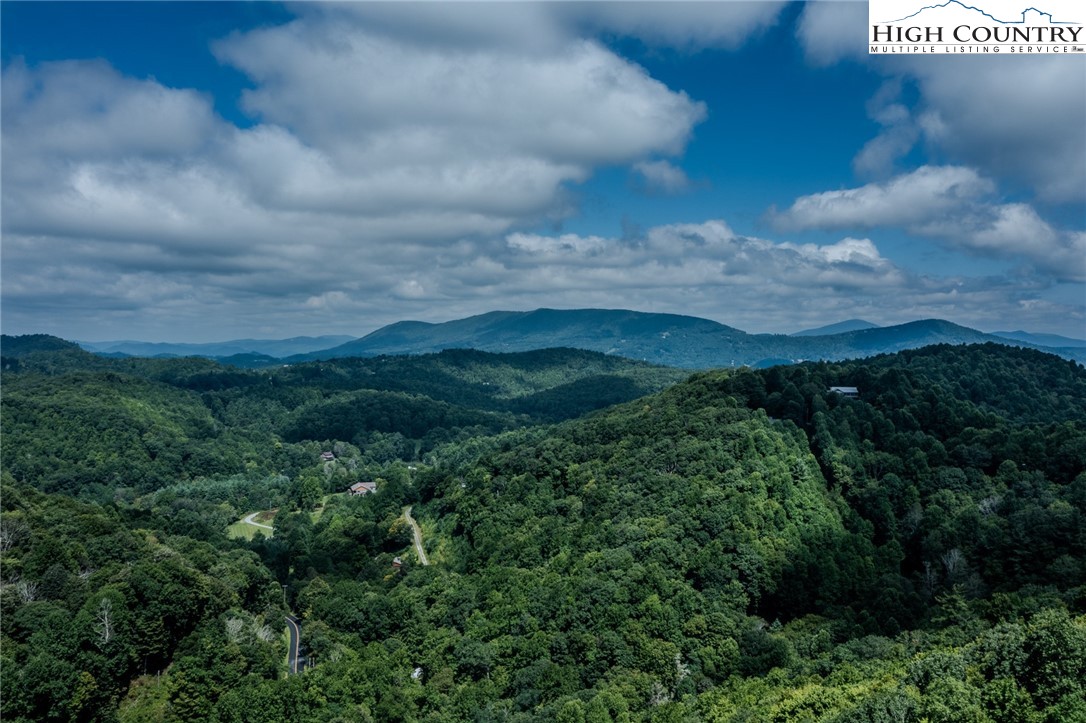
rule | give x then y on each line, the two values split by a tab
251	521
417	534
295	633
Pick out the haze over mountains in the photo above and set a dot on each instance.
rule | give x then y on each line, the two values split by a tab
667	339
270	347
839	328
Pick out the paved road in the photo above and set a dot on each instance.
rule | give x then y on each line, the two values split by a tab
417	533
250	521
295	640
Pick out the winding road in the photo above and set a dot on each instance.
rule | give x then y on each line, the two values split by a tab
417	534
250	520
294	630
295	641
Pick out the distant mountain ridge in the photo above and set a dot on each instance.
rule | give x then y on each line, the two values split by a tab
1049	340
668	339
840	327
276	348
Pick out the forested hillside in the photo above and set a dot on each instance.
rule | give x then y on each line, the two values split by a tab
742	546
87	425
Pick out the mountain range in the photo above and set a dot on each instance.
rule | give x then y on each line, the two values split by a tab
667	339
276	348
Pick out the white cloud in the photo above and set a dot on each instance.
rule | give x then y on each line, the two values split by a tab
327	300
1020	120
707	255
87	110
707	269
396	149
899	134
832	30
952	204
373	154
685	25
363	98
540	27
662	176
557	246
928	192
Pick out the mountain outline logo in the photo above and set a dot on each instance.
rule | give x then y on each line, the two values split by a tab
985	13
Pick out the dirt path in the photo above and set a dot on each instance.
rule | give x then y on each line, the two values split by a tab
417	533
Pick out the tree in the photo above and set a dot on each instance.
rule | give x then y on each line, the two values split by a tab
104	624
307	490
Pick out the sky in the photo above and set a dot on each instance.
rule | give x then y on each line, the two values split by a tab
204	171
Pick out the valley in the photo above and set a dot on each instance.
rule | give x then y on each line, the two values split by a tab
550	535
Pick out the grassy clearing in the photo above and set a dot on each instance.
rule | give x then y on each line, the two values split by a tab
247	531
435	544
147	700
315	515
242	530
286	644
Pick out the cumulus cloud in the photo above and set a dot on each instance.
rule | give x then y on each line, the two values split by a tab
899	133
364	98
950	203
661	177
396	156
87	110
706	255
373	150
708	269
380	137
1019	120
928	192
686	25
832	31
1022	121
539	27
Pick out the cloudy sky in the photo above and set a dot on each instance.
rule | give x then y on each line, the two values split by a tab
208	171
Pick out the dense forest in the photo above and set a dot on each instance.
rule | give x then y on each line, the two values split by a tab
607	541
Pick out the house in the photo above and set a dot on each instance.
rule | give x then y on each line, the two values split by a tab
850	392
362	488
397	563
327	456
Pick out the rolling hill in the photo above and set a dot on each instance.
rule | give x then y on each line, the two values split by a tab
839	328
1049	340
268	347
665	339
669	339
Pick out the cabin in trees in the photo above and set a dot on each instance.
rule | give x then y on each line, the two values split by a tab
327	457
850	392
362	488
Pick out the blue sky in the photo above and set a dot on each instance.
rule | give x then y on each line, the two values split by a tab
206	171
